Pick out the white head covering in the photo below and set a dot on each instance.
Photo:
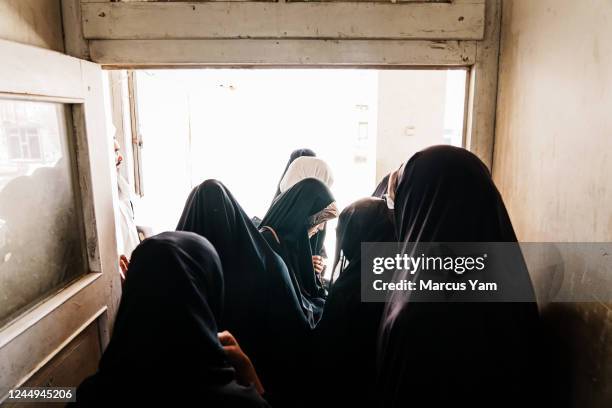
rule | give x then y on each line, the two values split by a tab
306	167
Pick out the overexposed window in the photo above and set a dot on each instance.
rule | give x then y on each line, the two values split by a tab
240	126
41	229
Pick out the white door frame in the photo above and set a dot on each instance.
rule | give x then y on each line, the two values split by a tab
462	33
34	338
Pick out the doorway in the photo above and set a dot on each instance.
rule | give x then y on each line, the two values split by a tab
240	125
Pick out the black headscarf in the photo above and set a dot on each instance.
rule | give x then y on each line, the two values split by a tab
263	301
387	187
317	241
345	339
365	220
446	194
294	155
381	188
442	353
289	217
165	335
212	212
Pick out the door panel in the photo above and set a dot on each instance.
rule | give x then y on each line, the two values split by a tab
74	362
58	340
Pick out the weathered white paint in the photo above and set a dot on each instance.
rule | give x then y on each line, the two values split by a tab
118	108
553	162
150	44
101	187
20	76
146	53
23	357
74	42
447	21
482	89
136	142
77	359
32	339
289	1
33	22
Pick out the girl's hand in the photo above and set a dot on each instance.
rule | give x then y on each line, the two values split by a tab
245	371
318	264
124	265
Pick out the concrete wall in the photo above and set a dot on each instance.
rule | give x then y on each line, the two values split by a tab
553	160
33	22
410	115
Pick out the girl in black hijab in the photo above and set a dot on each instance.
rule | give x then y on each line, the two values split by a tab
263	298
294	217
310	167
345	339
164	345
294	155
447	353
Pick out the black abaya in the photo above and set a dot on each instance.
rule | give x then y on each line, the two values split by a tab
164	345
289	218
456	354
345	339
263	300
318	240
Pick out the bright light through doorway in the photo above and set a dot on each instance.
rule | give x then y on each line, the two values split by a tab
239	126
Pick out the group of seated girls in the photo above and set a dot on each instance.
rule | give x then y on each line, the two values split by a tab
230	311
